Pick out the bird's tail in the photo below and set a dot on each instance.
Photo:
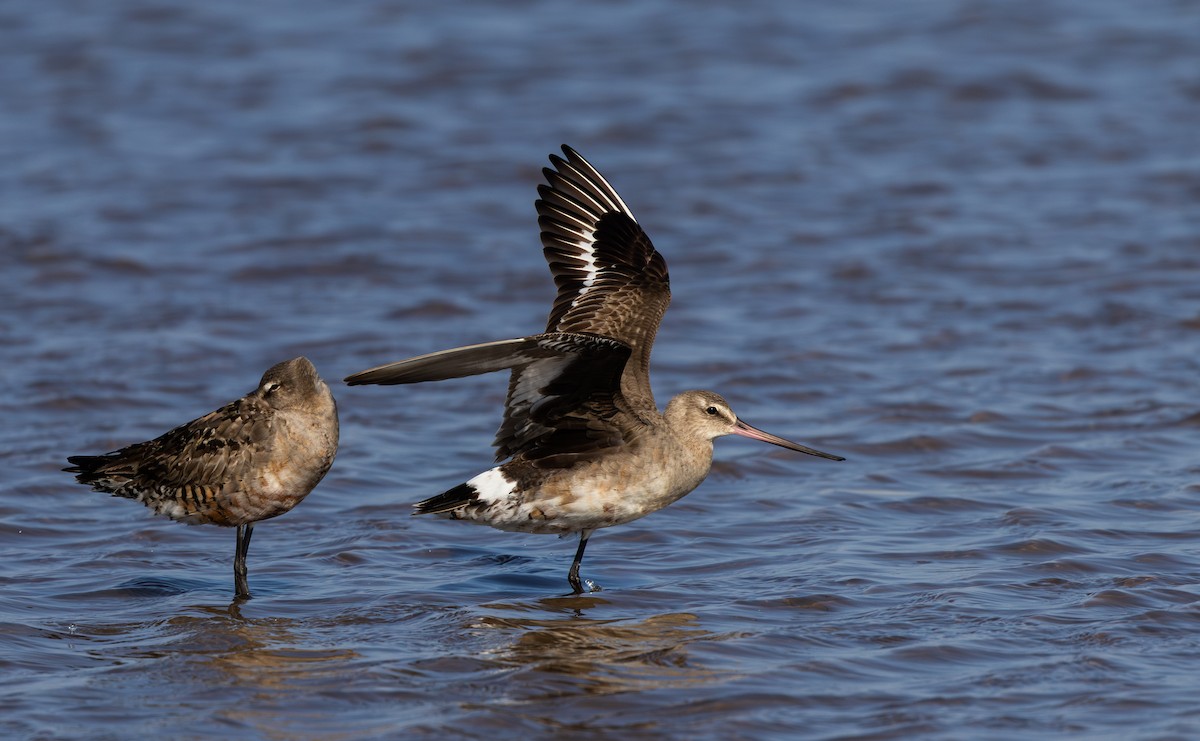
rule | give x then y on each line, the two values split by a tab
447	501
98	471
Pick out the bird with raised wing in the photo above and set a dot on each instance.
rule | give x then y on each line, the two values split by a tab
584	442
250	460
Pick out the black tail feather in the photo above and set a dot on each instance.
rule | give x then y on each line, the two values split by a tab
86	467
446	501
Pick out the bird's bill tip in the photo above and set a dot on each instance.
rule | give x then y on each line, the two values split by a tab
745	430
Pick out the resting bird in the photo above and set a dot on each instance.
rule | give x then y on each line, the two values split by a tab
250	460
585	444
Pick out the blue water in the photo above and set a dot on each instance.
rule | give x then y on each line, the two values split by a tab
956	241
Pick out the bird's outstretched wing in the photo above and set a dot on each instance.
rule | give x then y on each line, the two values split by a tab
563	392
611	281
570	387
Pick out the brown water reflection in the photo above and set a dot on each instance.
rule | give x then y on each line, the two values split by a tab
184	673
575	654
259	653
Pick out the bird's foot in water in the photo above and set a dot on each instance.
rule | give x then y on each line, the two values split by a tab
584	586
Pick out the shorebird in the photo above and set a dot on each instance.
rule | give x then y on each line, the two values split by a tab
585	444
250	460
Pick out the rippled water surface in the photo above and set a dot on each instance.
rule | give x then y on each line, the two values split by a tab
956	241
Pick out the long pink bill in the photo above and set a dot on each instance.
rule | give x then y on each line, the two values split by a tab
745	430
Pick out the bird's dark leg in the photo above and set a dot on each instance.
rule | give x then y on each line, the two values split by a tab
240	585
573	574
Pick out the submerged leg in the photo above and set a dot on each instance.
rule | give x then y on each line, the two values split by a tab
573	574
241	586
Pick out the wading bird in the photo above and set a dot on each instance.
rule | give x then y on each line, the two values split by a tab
250	460
585	444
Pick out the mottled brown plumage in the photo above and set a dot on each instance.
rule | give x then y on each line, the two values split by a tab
611	281
586	444
250	460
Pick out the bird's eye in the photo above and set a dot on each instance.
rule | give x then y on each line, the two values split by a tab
271	387
711	410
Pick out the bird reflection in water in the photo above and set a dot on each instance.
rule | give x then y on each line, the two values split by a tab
271	657
580	655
